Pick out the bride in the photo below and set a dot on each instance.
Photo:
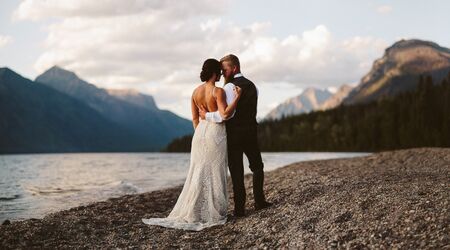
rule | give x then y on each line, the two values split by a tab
203	202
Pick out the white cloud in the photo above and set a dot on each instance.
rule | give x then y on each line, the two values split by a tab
158	47
313	58
384	9
5	40
38	10
211	24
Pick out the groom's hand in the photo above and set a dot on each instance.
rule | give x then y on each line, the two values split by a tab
202	112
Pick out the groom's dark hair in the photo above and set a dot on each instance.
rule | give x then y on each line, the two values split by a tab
234	60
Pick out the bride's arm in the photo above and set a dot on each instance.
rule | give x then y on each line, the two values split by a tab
194	110
216	117
227	110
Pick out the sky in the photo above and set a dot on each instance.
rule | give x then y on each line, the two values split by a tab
158	46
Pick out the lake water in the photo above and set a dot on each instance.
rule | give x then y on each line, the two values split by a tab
33	185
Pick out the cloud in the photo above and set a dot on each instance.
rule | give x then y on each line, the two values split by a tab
5	40
158	47
312	58
38	10
384	9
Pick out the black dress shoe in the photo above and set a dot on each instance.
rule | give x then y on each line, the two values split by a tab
239	213
265	204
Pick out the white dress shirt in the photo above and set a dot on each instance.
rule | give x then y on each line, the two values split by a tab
229	92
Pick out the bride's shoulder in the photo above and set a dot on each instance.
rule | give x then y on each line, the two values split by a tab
199	87
219	89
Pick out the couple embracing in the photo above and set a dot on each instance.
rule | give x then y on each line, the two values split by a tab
225	129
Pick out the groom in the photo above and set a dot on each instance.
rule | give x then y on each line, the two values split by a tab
241	136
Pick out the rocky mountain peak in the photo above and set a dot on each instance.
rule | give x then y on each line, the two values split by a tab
310	99
59	73
399	69
413	43
134	97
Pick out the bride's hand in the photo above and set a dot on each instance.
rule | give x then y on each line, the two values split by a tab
237	91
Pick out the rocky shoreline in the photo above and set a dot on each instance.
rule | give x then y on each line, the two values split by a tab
394	199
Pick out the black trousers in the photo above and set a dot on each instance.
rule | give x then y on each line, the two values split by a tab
244	141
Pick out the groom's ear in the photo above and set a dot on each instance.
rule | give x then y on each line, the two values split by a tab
236	69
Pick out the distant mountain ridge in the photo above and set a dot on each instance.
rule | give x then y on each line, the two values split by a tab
132	110
399	68
38	119
336	99
397	71
59	112
134	97
311	99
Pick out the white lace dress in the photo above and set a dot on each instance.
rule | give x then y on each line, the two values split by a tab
203	202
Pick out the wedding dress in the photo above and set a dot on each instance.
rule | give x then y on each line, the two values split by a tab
203	202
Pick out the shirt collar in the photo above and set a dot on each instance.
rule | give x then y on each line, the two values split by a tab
238	75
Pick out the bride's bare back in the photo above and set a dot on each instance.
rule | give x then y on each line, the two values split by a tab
204	96
212	99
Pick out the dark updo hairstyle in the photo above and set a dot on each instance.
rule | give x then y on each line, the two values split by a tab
210	66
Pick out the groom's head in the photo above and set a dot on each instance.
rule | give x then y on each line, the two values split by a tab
230	67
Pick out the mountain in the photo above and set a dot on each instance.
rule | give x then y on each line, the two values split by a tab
310	99
399	69
135	112
134	97
416	118
336	98
36	118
